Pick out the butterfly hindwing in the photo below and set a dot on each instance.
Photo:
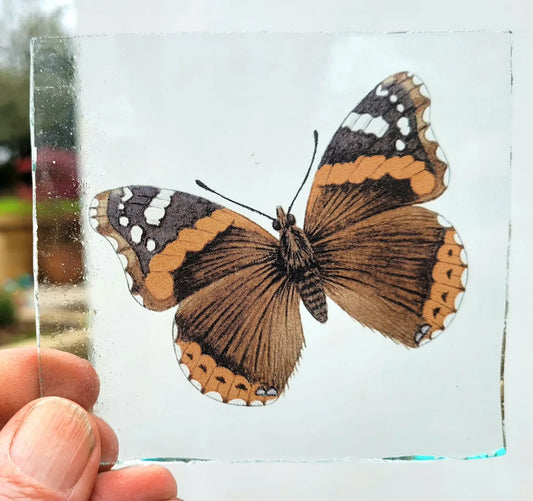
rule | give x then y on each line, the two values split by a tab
401	272
244	334
382	156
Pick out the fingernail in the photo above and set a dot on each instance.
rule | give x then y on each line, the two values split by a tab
53	443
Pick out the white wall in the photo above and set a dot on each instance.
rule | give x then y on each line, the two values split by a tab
501	478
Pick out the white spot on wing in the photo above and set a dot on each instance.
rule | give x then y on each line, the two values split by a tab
136	233
129	280
126	194
94	203
424	341
380	91
435	334
462	256
400	108
423	90
256	403
214	395
446	177
139	299
366	123
113	242
393	98
464	277
237	401
124	221
458	300
443	221
448	319
123	260
440	154
153	215
403	125
196	384
94	223
185	370
416	80
425	115
156	210
120	206
400	145
429	135
150	245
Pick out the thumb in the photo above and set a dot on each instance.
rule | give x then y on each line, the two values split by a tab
50	451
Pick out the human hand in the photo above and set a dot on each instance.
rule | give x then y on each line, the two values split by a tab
51	447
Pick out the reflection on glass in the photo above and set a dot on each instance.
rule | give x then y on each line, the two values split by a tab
61	290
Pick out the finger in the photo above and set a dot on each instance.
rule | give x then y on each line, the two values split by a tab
142	483
109	442
63	374
49	451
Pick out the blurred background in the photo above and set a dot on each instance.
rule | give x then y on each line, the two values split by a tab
60	252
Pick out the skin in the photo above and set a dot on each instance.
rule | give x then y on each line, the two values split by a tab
73	380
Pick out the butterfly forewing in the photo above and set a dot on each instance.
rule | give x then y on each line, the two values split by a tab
382	156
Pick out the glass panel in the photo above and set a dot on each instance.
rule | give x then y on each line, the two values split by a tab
237	111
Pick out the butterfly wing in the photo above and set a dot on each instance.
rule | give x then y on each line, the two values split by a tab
382	156
401	272
237	314
240	338
395	268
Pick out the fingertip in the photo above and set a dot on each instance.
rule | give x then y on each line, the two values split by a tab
109	443
146	482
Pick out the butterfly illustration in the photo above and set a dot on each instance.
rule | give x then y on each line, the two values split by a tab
395	267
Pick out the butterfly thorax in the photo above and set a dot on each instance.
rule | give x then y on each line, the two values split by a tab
300	264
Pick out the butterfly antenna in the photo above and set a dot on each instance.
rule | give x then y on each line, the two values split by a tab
205	187
315	135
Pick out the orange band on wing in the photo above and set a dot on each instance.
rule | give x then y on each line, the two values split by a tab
449	276
159	280
217	381
375	167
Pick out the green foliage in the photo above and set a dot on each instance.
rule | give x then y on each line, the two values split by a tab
15	77
7	310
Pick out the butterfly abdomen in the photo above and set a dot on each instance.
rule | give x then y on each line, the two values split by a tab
313	296
301	267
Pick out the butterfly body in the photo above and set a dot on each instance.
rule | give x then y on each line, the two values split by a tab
395	267
300	264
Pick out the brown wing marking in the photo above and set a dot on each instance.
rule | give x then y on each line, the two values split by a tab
241	337
401	272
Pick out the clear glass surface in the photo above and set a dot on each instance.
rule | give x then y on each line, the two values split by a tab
238	111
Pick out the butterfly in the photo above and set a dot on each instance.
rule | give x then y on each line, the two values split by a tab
395	267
